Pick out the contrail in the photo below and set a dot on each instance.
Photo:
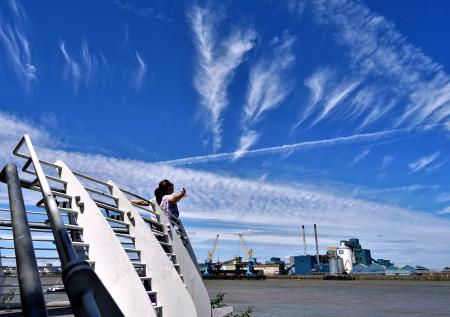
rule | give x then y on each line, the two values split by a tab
307	145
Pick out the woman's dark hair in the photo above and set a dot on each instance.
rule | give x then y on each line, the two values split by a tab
162	189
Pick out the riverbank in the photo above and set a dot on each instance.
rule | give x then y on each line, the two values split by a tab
431	276
317	298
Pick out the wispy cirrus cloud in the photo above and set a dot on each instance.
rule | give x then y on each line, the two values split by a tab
246	141
387	161
140	72
15	42
335	97
218	59
89	61
317	84
72	70
359	157
423	162
82	66
328	90
269	85
142	10
418	87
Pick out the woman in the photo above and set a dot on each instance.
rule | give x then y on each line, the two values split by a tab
166	199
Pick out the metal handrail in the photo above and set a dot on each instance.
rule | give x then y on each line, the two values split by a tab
31	295
150	202
65	249
85	290
92	179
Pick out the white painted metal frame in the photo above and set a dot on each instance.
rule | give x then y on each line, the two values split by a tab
112	264
192	278
171	291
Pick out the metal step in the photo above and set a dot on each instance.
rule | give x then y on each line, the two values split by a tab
166	244
125	235
159	310
68	210
140	268
120	230
72	227
59	194
131	250
109	207
154	222
105	205
90	262
120	222
80	244
159	233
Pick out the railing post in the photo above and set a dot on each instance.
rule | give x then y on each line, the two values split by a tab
31	295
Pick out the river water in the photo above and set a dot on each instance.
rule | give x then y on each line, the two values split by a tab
315	298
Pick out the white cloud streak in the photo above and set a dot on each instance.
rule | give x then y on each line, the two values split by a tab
246	141
140	71
16	44
217	62
89	62
358	158
308	145
72	69
423	162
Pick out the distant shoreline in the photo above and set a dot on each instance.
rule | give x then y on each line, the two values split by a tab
432	276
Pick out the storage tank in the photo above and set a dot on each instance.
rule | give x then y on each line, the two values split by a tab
346	254
340	265
334	265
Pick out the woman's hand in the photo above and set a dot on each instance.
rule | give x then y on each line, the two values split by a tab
176	198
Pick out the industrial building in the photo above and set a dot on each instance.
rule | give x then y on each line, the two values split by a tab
372	269
361	256
348	257
272	267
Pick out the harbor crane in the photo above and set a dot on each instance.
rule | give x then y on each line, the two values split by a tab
209	260
249	252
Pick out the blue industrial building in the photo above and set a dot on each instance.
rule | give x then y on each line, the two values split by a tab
304	264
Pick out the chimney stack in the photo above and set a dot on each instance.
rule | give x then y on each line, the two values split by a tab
304	239
317	244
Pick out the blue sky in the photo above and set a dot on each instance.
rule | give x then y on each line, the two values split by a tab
273	114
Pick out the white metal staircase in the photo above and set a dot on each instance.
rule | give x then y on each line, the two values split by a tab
135	252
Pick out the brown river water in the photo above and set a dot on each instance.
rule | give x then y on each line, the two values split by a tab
326	298
335	298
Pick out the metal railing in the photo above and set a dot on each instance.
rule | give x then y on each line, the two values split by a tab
86	292
31	295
